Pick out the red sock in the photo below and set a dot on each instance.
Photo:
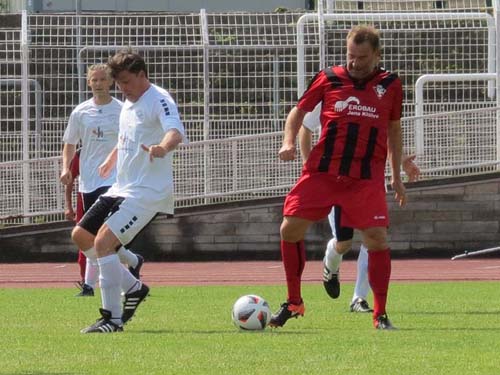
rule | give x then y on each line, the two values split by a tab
82	262
379	273
294	260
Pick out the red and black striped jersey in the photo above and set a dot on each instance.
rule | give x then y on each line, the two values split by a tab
354	121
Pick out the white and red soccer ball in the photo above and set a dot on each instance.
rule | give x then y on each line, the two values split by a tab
251	312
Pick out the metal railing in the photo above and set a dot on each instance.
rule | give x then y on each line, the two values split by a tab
247	167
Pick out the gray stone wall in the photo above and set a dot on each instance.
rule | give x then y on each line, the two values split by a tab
451	217
442	218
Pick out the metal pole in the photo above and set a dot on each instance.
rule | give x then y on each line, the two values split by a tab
496	9
25	114
79	63
276	91
206	99
479	252
321	36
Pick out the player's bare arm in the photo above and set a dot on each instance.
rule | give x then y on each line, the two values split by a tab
411	169
292	126
67	154
107	165
305	142
169	142
395	151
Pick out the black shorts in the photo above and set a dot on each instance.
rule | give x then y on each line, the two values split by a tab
341	233
90	198
95	217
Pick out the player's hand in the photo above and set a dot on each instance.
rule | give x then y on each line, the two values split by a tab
69	214
410	168
287	152
399	191
155	151
66	177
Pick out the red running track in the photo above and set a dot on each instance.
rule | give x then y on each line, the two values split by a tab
35	275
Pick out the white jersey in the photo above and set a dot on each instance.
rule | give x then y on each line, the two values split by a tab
96	126
146	121
311	119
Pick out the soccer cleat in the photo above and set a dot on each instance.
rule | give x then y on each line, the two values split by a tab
383	322
331	282
103	325
286	311
85	290
132	302
135	271
360	305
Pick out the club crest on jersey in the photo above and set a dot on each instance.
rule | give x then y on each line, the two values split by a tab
380	91
99	133
140	115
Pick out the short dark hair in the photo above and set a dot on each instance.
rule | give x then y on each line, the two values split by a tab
127	60
365	33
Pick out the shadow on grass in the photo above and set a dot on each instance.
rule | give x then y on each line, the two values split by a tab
496	312
451	329
211	332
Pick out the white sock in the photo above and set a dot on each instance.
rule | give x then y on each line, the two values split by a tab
332	259
111	279
362	285
127	257
90	253
91	273
129	282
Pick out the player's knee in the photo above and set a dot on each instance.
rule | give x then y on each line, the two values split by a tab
343	247
80	237
375	239
105	242
290	233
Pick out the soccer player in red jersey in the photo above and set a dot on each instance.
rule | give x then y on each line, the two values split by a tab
360	128
70	213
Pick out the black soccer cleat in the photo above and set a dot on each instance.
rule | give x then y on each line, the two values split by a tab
360	305
135	271
286	311
103	325
85	290
383	322
132	302
331	282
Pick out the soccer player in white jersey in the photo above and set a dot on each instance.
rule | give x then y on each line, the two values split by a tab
150	129
340	243
94	123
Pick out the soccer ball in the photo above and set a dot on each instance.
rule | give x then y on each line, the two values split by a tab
251	312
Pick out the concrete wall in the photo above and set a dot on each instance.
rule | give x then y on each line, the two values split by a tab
442	218
451	217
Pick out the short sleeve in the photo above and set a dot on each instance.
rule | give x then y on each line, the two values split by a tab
168	114
397	107
314	93
72	132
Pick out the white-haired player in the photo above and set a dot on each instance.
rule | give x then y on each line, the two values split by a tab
341	240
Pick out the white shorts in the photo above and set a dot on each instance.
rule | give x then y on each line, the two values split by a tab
129	220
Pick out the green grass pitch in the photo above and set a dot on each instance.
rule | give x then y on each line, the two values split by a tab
445	328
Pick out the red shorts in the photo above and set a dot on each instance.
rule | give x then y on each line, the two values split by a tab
362	202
